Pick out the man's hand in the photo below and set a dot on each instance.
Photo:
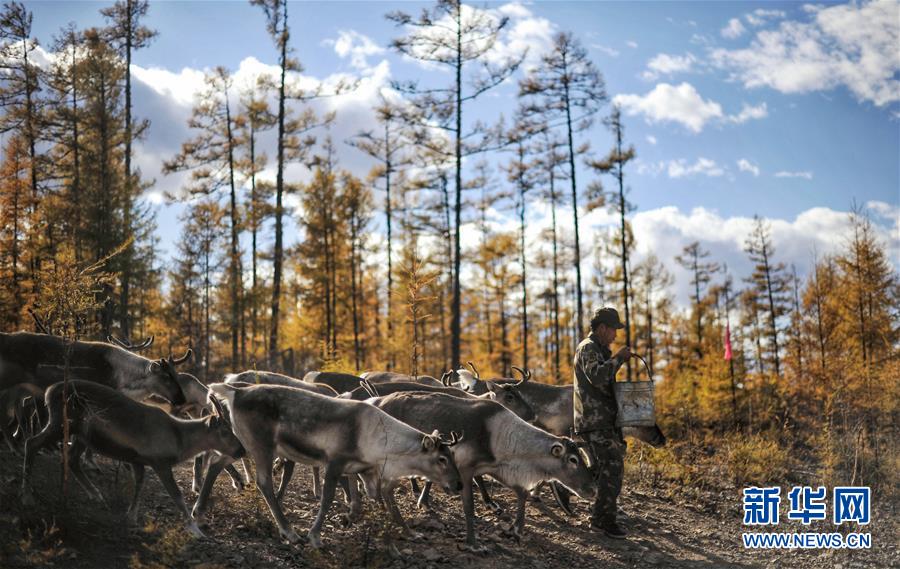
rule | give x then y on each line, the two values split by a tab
623	354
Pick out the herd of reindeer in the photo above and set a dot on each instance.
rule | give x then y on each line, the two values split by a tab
366	434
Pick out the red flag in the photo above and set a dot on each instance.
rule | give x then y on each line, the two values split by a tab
727	341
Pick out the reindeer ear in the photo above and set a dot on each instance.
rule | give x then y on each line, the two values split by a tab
154	367
557	450
428	443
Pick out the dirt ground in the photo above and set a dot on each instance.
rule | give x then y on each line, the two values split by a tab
666	530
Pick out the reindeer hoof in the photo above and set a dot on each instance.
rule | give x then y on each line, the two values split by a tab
411	535
512	531
289	536
474	548
315	541
195	530
394	552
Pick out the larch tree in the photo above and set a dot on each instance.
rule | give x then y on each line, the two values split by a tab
567	90
457	37
126	34
387	147
294	141
550	159
769	280
20	100
692	258
211	158
520	174
614	163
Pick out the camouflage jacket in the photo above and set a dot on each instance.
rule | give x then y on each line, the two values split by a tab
595	400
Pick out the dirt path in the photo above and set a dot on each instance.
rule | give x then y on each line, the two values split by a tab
665	531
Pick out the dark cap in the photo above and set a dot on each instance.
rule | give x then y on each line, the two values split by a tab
608	316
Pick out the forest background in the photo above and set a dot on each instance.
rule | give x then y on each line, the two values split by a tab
367	219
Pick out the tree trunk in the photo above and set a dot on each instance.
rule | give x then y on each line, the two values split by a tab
455	330
278	253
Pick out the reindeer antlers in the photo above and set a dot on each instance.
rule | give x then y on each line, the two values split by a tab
526	374
446	377
38	323
369	387
187	355
474	370
454	438
128	345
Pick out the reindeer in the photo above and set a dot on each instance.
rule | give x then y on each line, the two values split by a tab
495	443
120	428
554	412
340	382
379	377
41	359
345	437
254	377
20	405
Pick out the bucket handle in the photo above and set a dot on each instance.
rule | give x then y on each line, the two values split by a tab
646	367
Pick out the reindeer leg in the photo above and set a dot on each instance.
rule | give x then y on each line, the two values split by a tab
263	461
387	494
50	434
356	505
137	471
286	474
212	472
317	484
237	482
516	527
197	481
245	465
469	509
4	426
485	495
424	500
75	464
332	474
168	482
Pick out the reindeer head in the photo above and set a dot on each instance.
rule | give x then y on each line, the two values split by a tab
162	378
441	468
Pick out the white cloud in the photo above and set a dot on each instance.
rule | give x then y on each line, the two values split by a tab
166	98
666	64
759	16
651	139
665	231
524	33
670	103
733	30
356	46
702	167
610	51
749	113
632	44
745	165
851	45
680	168
806	175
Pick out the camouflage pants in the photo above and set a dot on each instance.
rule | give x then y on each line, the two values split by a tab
607	454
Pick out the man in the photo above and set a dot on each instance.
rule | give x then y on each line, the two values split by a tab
595	415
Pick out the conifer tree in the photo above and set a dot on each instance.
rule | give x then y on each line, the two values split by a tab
566	90
457	37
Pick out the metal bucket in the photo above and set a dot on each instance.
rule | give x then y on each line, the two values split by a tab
634	400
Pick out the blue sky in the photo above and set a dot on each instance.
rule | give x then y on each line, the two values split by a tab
785	110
